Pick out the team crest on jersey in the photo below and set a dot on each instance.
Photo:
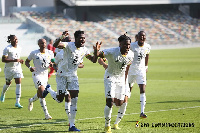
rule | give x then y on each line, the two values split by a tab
119	59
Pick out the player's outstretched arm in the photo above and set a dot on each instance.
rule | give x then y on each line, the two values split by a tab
146	62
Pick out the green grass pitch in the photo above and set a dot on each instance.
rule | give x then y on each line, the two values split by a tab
173	96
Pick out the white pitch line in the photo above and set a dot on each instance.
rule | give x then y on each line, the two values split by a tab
101	117
101	79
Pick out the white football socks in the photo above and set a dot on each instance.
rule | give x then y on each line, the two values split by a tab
5	88
73	110
44	106
142	101
107	114
18	92
121	112
53	94
34	98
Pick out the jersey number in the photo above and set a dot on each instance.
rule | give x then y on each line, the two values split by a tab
75	60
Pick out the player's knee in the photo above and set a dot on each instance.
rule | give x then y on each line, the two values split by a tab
119	102
8	82
109	102
67	98
142	90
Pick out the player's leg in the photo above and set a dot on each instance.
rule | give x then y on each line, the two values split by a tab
68	105
5	88
40	92
54	94
119	102
18	92
73	88
131	81
8	76
37	83
109	85
31	100
141	81
40	82
142	100
61	89
107	113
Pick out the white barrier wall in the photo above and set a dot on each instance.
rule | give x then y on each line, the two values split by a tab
129	2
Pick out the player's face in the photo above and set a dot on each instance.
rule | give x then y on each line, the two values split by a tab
141	37
42	43
125	46
80	40
14	40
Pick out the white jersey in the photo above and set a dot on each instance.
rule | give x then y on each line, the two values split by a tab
57	50
72	56
41	61
13	53
59	58
116	61
138	64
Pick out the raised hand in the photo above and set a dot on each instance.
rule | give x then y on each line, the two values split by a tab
64	35
97	47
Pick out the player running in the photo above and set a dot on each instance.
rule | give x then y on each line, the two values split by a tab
11	58
41	60
66	78
114	78
139	67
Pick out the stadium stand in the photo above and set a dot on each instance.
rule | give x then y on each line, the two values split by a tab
56	24
162	27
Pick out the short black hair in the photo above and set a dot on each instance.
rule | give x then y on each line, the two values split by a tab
141	32
77	33
9	38
124	37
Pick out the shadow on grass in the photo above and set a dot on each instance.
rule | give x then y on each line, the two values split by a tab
175	101
27	125
39	131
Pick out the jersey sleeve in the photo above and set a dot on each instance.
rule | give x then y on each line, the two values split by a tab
65	44
107	52
58	57
30	57
148	49
87	52
5	52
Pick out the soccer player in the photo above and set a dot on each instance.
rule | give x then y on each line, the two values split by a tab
122	108
11	57
114	78
139	67
73	54
52	48
41	60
